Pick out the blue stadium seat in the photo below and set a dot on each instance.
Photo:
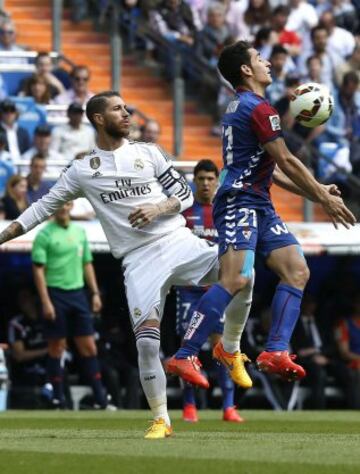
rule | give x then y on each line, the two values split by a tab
6	171
31	114
13	80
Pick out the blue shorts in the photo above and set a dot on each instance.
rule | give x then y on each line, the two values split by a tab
73	315
187	299
247	228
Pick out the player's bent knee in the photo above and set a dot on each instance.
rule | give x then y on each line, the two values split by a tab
148	342
235	284
56	348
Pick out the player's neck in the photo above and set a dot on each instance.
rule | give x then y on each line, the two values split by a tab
255	87
202	200
108	143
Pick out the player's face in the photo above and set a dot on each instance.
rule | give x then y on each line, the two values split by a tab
62	215
206	183
116	118
260	68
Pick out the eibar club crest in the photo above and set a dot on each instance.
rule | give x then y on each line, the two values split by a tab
95	162
246	233
139	164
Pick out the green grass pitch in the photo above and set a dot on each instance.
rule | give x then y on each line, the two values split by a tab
112	442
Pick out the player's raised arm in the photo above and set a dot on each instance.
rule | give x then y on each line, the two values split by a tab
283	181
301	176
65	189
179	193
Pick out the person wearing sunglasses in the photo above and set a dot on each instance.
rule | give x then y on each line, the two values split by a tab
79	91
8	43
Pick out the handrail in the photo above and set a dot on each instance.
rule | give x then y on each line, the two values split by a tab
57	13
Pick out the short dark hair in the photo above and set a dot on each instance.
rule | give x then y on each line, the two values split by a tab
231	59
206	165
281	10
42	54
80	67
278	49
37	157
350	77
97	104
316	28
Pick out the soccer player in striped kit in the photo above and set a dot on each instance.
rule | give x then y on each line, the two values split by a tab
199	220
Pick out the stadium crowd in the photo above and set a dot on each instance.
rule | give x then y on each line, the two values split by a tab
306	41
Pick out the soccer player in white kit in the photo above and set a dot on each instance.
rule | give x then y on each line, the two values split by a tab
138	197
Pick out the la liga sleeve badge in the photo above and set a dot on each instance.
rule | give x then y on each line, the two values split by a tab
275	122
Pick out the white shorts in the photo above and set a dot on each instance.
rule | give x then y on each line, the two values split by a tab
180	258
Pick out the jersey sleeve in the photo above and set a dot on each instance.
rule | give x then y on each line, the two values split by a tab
65	189
87	255
39	249
171	180
265	122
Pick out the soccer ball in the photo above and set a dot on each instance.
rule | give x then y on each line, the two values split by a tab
311	104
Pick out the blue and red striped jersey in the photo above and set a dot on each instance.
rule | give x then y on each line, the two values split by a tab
249	122
199	219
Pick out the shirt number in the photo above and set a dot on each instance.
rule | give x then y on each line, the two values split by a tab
228	139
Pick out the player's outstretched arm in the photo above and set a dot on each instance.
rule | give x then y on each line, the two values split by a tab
11	232
301	176
280	178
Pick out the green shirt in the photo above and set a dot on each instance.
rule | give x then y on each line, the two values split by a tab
64	251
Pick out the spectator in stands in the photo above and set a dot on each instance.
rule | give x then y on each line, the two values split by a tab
343	123
266	38
36	185
8	43
256	16
150	131
74	137
18	139
62	262
44	69
214	35
347	335
234	14
42	147
79	91
276	90
15	200
341	41
38	88
28	347
289	39
352	64
7	168
5	155
313	69
308	344
329	58
346	14
176	22
302	19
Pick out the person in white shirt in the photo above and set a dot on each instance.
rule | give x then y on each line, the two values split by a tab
302	19
79	92
138	197
41	147
74	137
341	41
8	43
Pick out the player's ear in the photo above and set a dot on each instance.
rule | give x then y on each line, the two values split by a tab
98	119
246	70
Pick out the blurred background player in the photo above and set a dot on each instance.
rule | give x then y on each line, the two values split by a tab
199	220
61	261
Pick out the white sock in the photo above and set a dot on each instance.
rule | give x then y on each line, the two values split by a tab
237	314
152	375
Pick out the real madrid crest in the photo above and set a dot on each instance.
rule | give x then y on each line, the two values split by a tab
137	312
139	164
95	162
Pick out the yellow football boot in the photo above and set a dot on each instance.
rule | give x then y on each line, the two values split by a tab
158	429
235	363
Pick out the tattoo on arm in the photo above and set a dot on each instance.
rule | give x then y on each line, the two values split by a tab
170	206
12	231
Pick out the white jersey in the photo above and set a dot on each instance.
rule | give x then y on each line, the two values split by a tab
115	182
